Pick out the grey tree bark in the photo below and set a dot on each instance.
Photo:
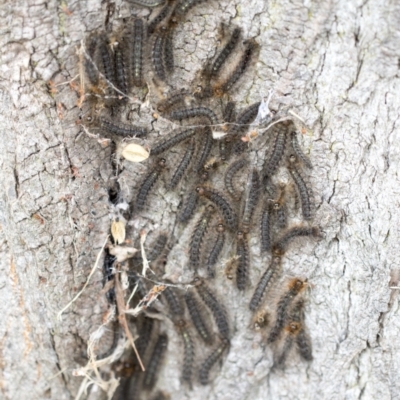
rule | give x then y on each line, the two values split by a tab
336	64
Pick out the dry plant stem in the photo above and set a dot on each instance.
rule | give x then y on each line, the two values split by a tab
86	283
119	294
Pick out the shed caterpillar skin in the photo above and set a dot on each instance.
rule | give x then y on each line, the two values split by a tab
225	53
108	275
303	341
198	237
167	142
148	3
157	54
215	307
184	6
137	50
161	396
154	363
216	251
183	165
266	281
275	156
222	204
294	288
290	333
230	174
205	149
186	113
305	192
159	18
147	185
189	352
297	149
239	70
242	270
265	231
197	317
89	63
120	129
246	117
252	196
174	302
261	320
210	361
280	246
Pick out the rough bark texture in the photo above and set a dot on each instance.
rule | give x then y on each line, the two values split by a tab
336	63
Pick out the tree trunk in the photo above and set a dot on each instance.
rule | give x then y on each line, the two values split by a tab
336	65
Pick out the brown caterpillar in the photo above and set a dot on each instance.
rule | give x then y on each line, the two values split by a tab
174	302
198	236
161	16
137	49
197	317
242	252
154	363
106	63
90	67
225	52
265	230
209	362
169	51
189	352
305	192
205	149
215	307
246	117
279	207
122	129
175	137
275	156
189	207
183	165
186	113
221	203
108	275
148	3
121	69
252	195
145	332
280	246
239	70
175	98
230	174
157	54
266	280
295	286
215	251
225	148
297	149
147	184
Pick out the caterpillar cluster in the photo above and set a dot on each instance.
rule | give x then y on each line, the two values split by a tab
229	197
